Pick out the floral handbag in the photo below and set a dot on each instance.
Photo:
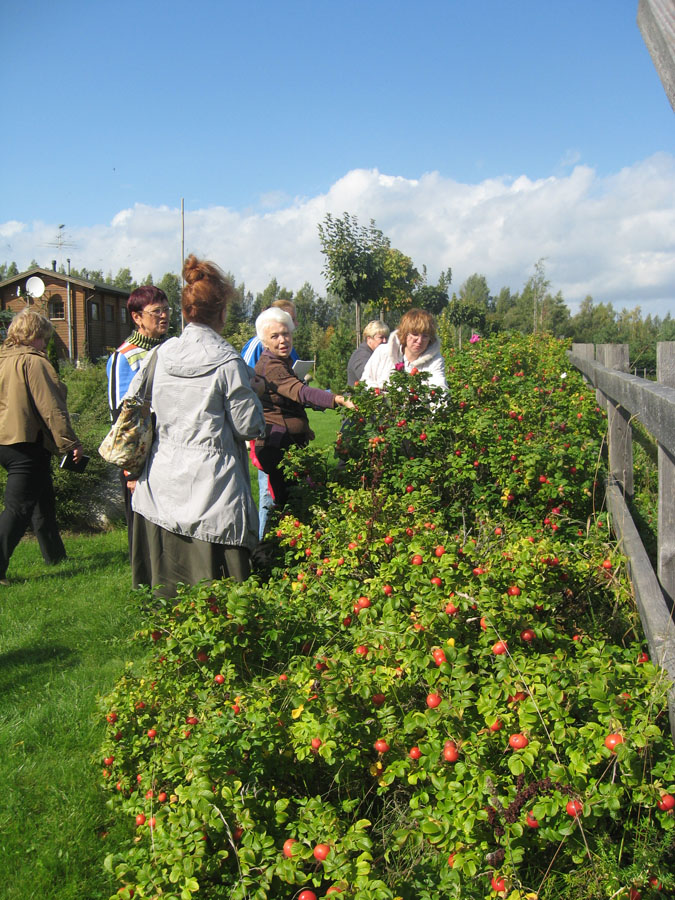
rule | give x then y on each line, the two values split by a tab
128	442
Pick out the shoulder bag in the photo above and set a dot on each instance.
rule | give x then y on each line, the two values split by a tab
128	442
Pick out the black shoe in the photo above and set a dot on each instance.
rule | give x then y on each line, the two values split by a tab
55	562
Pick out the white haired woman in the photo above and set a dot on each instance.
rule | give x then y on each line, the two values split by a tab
284	398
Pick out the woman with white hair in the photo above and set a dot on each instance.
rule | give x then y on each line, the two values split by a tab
285	398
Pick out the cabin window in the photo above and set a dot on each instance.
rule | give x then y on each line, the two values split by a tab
123	315
57	308
109	313
93	311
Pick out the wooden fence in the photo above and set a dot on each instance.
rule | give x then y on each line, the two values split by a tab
626	397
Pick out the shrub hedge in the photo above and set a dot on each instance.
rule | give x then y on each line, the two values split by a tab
439	690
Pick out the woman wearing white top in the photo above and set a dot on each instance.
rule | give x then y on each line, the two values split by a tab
413	345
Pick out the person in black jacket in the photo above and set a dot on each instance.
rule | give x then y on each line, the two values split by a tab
374	334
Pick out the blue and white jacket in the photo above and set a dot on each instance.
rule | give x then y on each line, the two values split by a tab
123	365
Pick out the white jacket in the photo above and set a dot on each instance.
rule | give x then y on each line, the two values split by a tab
196	481
385	358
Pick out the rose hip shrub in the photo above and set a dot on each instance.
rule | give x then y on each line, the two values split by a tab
441	690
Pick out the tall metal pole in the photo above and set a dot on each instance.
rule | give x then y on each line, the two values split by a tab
182	254
70	319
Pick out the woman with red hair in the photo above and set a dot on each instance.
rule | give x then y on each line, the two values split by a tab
194	516
414	345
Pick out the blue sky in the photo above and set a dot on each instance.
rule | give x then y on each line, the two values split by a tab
265	115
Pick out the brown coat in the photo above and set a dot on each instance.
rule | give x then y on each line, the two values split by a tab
33	401
285	399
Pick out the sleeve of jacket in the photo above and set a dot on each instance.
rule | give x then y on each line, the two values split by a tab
120	375
437	373
49	397
243	406
357	363
379	367
251	351
288	385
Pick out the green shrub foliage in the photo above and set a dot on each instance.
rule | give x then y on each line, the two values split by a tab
440	691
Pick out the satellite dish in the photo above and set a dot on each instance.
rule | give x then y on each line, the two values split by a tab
35	286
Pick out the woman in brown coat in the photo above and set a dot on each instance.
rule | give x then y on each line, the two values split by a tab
284	399
34	423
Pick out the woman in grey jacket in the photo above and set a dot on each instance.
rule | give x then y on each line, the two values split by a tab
194	516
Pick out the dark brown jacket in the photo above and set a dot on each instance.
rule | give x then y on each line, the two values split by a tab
285	399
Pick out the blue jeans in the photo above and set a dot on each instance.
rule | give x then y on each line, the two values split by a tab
265	502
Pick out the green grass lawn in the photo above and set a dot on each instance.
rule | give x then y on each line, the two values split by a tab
64	638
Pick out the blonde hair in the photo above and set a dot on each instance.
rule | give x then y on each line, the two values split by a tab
26	327
285	304
375	328
416	321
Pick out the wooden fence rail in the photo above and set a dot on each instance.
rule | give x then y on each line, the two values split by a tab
626	397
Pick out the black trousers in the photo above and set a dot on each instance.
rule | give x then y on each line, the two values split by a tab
29	500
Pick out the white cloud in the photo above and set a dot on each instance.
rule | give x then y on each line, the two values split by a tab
613	238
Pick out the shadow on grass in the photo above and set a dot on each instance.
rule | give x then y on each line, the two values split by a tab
74	566
21	666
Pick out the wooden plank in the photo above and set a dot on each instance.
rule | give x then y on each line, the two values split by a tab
665	374
656	619
653	404
656	21
615	356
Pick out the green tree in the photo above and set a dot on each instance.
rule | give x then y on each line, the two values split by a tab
124	281
236	311
431	297
93	275
355	267
331	370
594	323
536	287
475	292
267	297
463	315
305	302
401	279
503	302
172	286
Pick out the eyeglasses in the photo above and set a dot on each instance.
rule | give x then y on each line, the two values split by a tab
158	312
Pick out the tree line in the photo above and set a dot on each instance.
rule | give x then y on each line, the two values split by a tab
368	278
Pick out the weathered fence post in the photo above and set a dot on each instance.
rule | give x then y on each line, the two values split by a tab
620	437
665	374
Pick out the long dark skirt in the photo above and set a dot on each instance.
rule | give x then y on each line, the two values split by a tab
164	560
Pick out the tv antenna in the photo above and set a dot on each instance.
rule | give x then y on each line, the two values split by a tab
60	241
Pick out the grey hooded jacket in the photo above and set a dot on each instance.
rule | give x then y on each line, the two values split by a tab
196	481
